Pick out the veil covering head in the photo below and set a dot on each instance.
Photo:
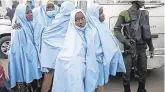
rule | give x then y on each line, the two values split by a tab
23	56
107	53
70	64
54	35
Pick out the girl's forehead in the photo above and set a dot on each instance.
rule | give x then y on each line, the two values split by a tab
28	10
79	14
50	5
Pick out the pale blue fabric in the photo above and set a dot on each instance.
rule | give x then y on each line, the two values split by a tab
107	51
40	17
23	56
70	64
53	37
92	69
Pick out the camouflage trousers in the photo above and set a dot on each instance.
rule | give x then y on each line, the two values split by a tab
141	65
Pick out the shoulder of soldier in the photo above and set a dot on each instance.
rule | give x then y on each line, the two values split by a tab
145	12
125	15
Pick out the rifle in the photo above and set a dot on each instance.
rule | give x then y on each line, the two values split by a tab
132	49
126	28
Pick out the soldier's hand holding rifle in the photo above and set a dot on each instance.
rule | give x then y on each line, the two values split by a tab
127	44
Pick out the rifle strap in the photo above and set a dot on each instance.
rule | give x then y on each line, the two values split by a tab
138	21
134	24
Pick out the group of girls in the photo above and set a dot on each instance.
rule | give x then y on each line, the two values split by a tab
62	49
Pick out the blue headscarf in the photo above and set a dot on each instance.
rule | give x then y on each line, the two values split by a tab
40	14
23	56
108	53
54	35
70	65
40	21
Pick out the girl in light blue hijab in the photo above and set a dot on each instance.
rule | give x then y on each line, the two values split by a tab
71	61
52	42
23	56
105	48
45	13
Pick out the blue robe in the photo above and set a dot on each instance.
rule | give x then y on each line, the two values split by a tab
71	62
53	37
23	56
41	18
105	51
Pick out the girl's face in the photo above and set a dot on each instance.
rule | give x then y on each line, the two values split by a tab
50	7
80	19
29	15
101	15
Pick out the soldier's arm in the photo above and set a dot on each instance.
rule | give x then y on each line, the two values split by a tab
149	41
117	29
150	44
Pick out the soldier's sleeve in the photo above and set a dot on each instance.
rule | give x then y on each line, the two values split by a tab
147	16
150	44
149	41
118	27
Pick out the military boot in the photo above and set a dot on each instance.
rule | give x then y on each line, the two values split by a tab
141	87
127	88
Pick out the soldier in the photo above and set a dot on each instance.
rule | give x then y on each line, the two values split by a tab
135	26
10	12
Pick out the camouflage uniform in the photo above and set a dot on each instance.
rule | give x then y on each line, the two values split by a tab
124	17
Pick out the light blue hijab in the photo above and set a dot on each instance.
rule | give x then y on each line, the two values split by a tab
23	56
108	54
70	64
53	37
40	15
40	22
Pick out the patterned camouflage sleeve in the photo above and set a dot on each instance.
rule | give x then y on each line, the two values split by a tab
118	27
